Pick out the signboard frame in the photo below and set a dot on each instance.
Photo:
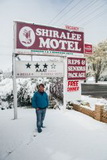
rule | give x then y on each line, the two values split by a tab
32	53
75	40
14	56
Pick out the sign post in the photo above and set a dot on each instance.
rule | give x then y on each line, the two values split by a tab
38	40
14	86
64	82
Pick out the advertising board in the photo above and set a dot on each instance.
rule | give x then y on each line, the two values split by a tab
76	68
38	38
88	49
31	69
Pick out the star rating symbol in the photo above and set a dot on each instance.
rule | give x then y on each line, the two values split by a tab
45	65
28	65
37	65
53	66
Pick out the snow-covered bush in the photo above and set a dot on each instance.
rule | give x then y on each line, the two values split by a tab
6	94
25	90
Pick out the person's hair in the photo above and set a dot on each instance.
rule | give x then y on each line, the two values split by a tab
41	85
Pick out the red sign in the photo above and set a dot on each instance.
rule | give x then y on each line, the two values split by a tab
37	37
72	28
76	68
72	86
88	48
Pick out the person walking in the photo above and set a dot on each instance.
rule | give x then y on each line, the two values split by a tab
40	102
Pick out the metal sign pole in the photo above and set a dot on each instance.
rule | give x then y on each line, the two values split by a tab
64	82
14	86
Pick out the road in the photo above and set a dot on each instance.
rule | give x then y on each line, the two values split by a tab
96	90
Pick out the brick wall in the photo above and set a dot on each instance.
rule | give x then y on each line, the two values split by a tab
104	116
83	110
99	113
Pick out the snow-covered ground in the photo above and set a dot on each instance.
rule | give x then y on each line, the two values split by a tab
69	135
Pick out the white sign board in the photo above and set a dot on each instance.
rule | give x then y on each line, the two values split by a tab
29	69
72	87
73	90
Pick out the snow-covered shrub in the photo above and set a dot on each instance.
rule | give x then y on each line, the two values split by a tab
69	105
25	90
6	94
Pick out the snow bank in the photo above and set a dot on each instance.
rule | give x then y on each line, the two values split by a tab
69	135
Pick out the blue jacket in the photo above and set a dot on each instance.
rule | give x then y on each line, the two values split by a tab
40	100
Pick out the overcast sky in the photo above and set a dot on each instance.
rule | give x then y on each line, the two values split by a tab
89	14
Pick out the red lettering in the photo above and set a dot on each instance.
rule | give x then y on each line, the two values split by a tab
72	83
71	89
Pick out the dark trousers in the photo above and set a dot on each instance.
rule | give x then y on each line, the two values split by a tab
40	114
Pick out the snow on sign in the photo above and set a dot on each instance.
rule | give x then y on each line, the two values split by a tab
76	68
36	69
44	38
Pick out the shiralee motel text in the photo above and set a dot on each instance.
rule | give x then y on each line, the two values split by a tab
55	39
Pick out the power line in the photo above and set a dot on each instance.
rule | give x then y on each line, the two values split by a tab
91	13
73	7
61	11
95	17
83	9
